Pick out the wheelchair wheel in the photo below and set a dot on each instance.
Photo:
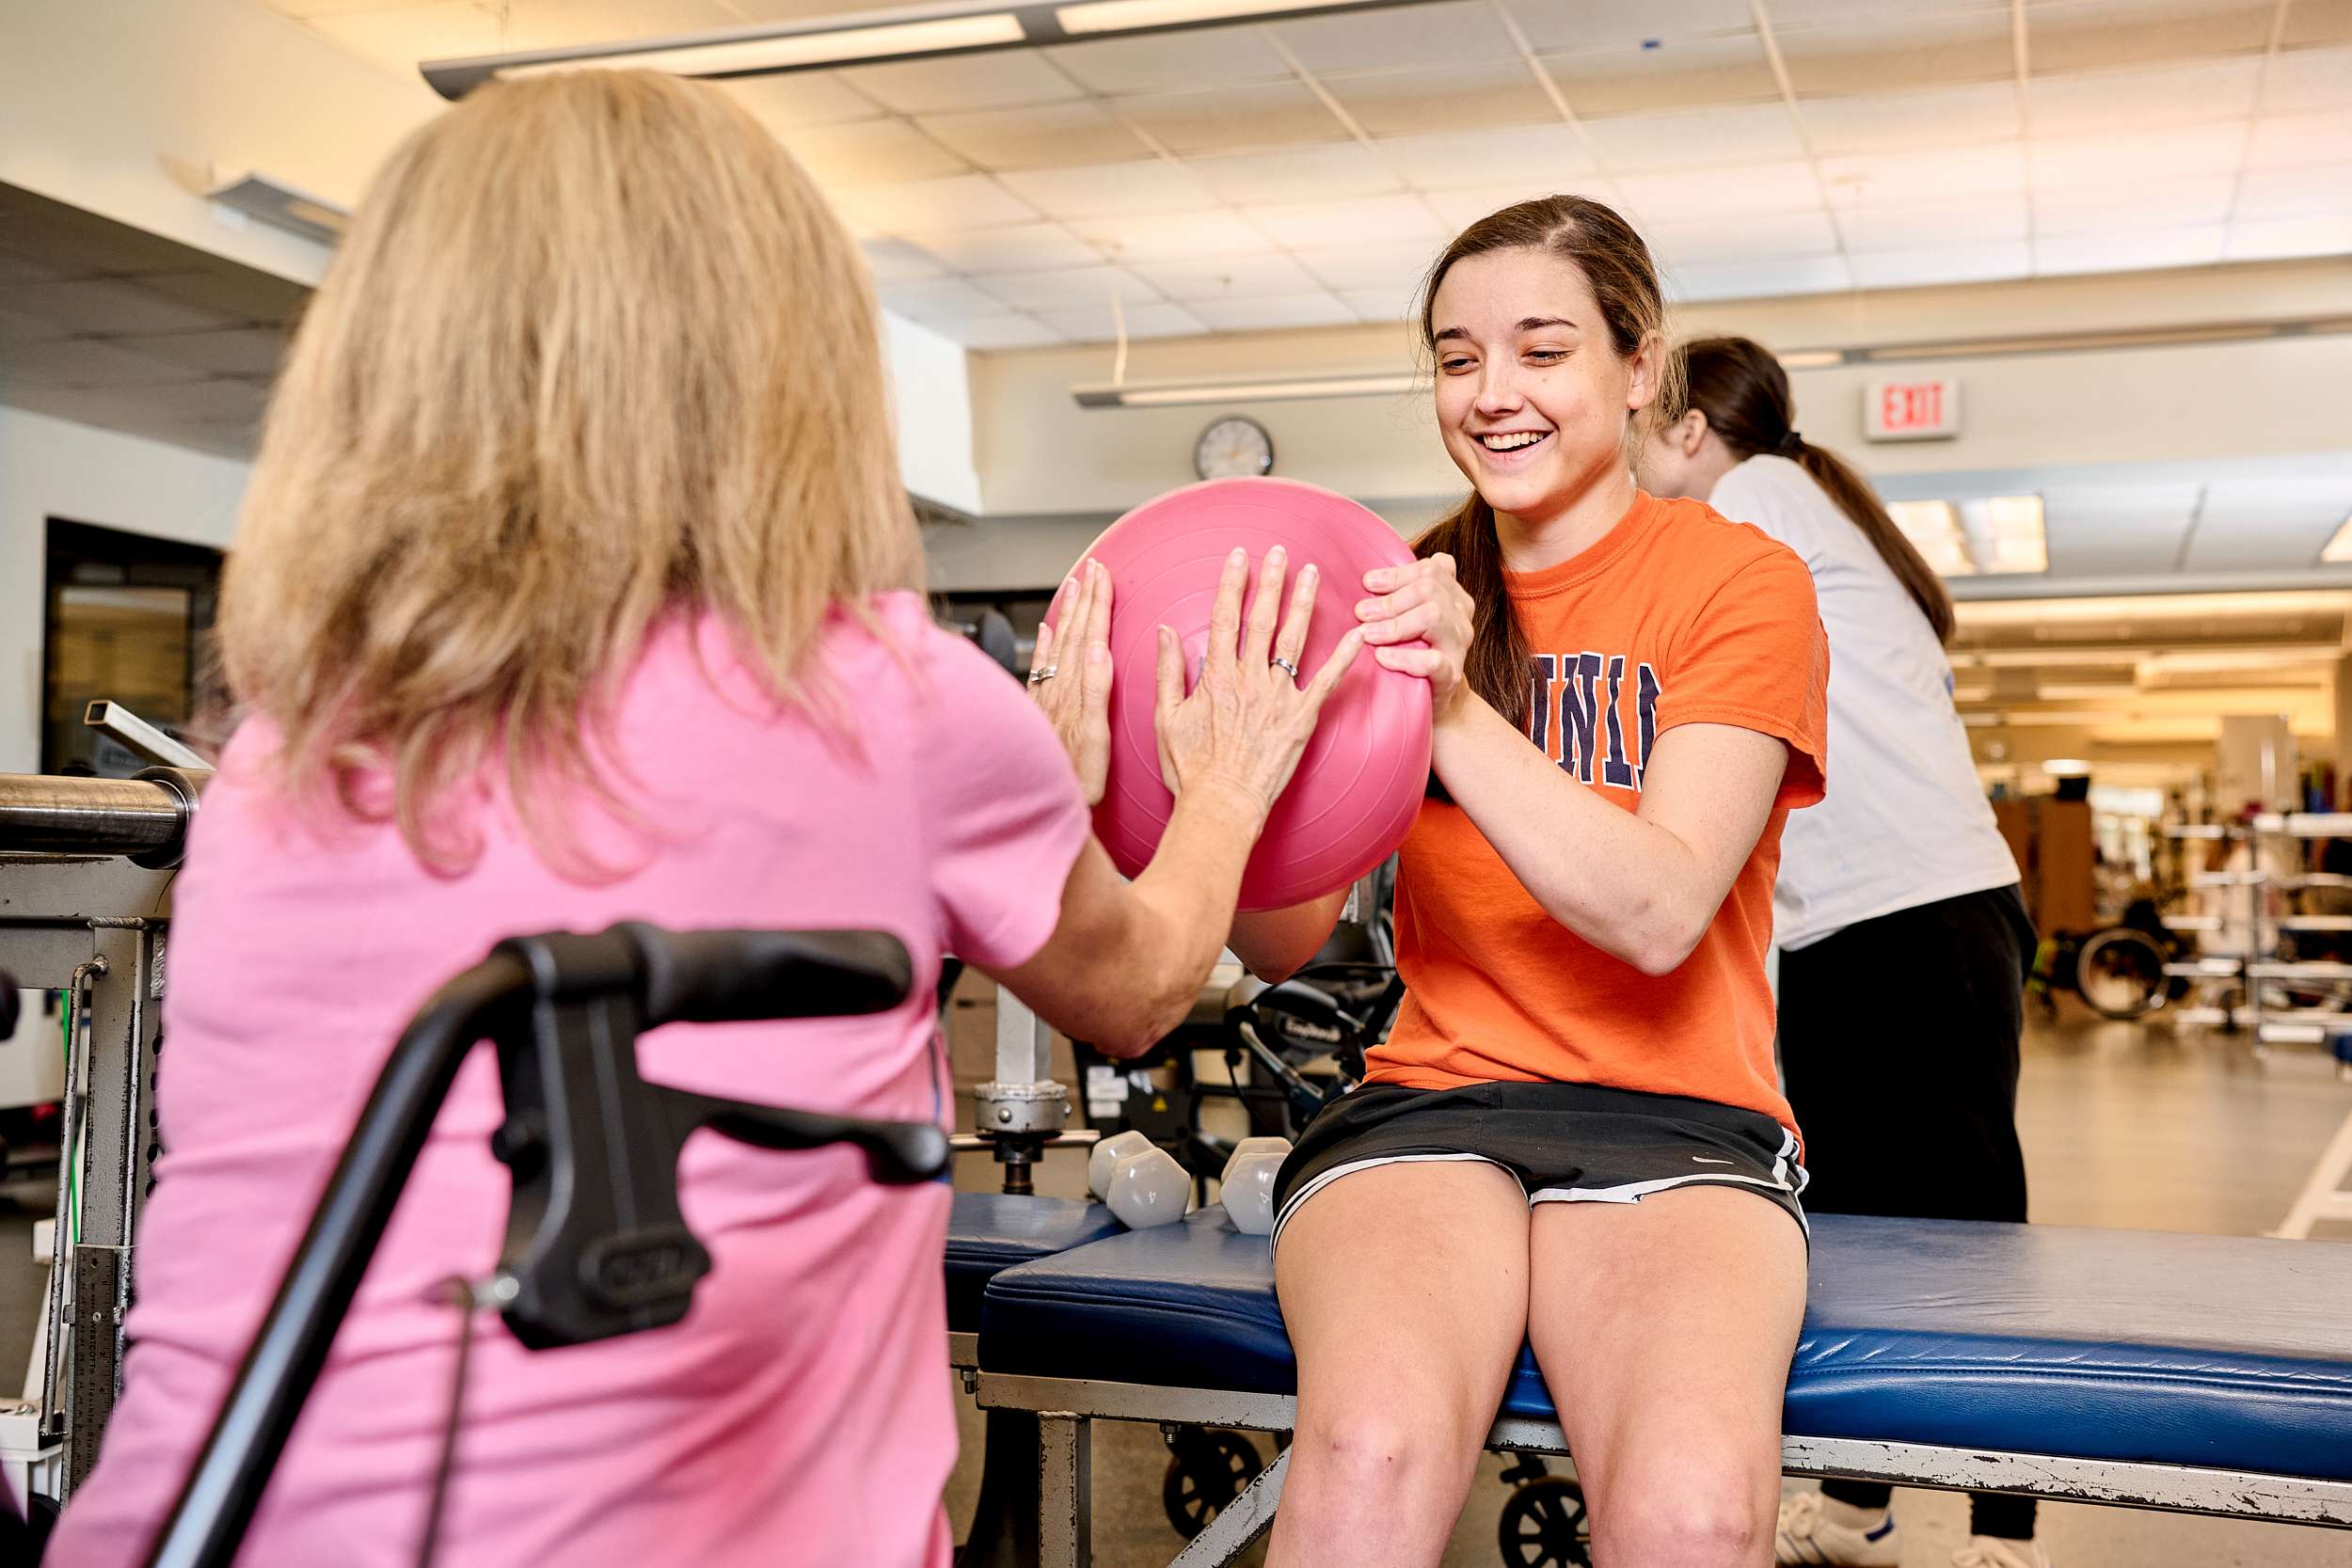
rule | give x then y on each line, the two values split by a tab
2120	973
1206	1470
1542	1526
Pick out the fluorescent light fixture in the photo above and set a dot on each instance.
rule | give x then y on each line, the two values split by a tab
2340	548
2005	534
909	33
2066	768
1183	394
278	204
1933	526
1812	358
1095	17
798	51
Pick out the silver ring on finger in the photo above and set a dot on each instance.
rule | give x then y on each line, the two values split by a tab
1282	663
1038	678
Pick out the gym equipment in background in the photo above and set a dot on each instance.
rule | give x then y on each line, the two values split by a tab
1365	771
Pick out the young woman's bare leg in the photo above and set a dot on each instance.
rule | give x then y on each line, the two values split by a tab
1405	1289
1664	1330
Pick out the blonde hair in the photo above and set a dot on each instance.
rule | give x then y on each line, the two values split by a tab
593	352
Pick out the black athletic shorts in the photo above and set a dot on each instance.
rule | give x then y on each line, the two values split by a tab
1566	1143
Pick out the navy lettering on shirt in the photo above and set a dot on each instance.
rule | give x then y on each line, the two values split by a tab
1577	717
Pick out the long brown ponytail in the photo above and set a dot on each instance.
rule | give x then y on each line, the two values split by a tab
1616	263
1743	392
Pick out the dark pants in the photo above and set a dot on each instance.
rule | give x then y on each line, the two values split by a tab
1898	1045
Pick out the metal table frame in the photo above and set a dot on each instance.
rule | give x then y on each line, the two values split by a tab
1066	1409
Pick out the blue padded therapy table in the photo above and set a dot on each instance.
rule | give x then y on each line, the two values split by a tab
2199	1374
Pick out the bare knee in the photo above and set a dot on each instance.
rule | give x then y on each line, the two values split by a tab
1683	1519
1381	1451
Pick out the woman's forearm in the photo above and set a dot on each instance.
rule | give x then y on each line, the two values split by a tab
1628	886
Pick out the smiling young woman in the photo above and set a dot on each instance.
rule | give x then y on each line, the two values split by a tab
1573	1135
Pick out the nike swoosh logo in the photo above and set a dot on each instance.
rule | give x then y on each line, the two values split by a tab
1703	1160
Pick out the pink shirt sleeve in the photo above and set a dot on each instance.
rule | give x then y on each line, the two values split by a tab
1006	818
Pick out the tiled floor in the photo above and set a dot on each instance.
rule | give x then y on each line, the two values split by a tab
2122	1126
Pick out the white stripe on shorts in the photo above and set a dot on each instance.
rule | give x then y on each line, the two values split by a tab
1633	1192
1353	1165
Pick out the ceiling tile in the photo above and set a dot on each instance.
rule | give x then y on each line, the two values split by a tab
2296	193
1695	195
1242	277
1173	237
1000	332
1694	138
2081	34
1593	24
997	81
1681	73
2249	524
1460	209
1221	119
1914	224
397	39
1253	315
799	98
1171	62
1817	274
1865	178
1943	264
111	306
1382	306
1041	136
934	206
2138	250
2279	239
1067	287
939	298
1096	323
2319	22
554	24
1021	247
897	262
2295	141
1486	94
1768	237
1931	116
1298	174
1885	53
1107	190
84	362
2107	101
869	152
219	399
1537	154
2297	81
2143	156
1398	265
1454	32
1797	15
2088	525
1371	221
244	351
2112	208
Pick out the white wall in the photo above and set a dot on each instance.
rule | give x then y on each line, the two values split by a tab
52	469
932	392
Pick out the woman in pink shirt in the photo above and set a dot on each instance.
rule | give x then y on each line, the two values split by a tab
576	584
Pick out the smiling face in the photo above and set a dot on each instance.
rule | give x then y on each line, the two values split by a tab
1532	396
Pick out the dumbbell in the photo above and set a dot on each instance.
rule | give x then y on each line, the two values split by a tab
1148	1189
1104	1159
1247	1187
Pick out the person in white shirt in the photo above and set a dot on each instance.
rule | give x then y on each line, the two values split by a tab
1904	939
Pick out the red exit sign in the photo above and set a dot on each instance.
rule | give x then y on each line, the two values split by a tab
1910	410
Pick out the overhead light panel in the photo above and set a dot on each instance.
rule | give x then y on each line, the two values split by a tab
280	205
912	33
1181	394
2066	768
1990	536
1933	527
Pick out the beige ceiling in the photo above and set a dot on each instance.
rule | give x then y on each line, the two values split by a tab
1304	173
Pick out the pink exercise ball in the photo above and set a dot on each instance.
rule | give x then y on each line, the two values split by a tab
1363	774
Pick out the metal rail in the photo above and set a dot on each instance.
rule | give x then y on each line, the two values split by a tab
145	819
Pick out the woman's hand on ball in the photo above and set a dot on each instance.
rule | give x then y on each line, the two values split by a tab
1420	603
1246	719
1077	696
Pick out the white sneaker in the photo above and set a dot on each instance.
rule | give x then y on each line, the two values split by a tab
1818	1529
1993	1551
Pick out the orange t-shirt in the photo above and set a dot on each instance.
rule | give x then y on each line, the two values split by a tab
1674	617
